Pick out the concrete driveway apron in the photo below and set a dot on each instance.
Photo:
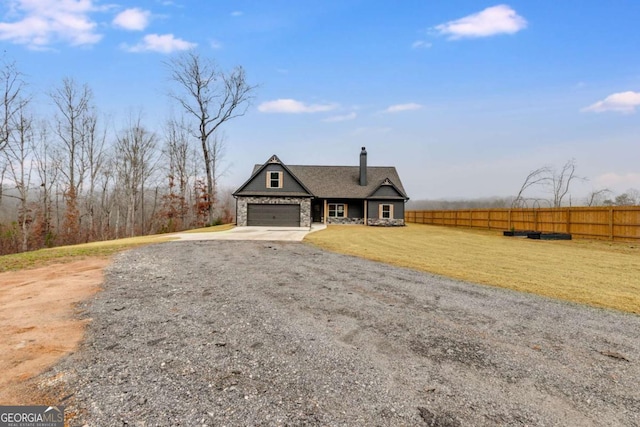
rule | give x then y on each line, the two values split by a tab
280	234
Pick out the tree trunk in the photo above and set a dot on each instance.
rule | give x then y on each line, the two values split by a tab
207	163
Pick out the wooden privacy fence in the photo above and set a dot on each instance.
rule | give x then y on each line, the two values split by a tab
602	222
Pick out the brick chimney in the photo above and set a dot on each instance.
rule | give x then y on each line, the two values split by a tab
363	167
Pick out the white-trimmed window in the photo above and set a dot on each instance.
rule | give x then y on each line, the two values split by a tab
386	212
337	210
274	179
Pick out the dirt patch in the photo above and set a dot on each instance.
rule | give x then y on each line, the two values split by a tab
39	322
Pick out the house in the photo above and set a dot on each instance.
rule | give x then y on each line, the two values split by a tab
277	194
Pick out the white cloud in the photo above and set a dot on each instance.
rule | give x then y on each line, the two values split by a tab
236	13
403	107
215	44
618	182
494	20
41	23
293	107
165	43
343	118
132	19
371	131
621	102
421	44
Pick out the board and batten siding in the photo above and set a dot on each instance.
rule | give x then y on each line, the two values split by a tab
289	184
373	208
353	208
386	191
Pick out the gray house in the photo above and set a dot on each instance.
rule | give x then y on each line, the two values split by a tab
295	196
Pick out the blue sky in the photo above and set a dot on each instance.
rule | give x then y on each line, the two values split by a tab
463	97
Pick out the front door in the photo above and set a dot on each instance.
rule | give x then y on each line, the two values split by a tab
316	210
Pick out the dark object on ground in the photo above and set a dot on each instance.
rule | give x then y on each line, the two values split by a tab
549	236
517	233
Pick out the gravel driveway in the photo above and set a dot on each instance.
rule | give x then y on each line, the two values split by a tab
227	333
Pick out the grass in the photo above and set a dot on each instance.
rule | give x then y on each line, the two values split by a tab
597	273
223	227
63	254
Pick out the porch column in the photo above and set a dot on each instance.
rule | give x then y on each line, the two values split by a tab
325	211
366	219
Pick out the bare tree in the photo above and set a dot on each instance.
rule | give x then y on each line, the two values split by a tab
73	104
535	177
634	194
47	166
3	171
177	153
597	197
211	97
18	152
561	181
12	102
217	146
631	197
136	152
93	158
107	199
557	181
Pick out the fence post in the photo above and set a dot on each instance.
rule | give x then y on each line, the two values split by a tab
569	220
611	223
509	220
535	220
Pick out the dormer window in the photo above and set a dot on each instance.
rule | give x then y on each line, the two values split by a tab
274	179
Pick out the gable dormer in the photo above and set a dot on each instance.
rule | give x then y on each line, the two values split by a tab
273	178
387	189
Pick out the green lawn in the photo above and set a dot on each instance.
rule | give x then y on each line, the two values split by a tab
598	273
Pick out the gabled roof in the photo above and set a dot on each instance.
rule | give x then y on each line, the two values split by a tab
343	182
389	183
258	168
336	182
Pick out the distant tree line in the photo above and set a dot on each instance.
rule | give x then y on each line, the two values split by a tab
76	177
556	182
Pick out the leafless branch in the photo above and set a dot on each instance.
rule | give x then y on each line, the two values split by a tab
535	177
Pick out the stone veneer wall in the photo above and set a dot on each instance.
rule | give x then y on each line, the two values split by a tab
386	222
332	220
305	207
381	222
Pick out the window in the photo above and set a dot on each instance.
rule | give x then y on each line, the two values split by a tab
274	179
386	211
337	210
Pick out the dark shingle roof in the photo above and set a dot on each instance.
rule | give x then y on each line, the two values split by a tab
344	181
339	182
